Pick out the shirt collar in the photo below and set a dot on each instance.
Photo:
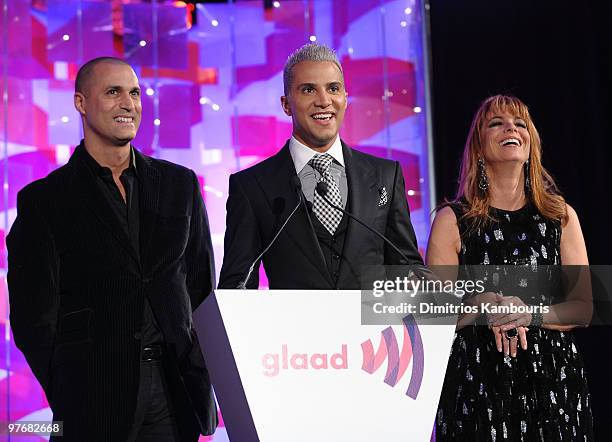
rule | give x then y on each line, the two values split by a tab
301	154
99	170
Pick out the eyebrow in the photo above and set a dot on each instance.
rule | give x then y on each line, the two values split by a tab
313	85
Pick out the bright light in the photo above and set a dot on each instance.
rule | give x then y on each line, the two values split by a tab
149	91
65	37
65	119
215	107
408	11
276	4
313	38
156	122
142	43
215	23
411	192
350	51
417	110
403	23
204	100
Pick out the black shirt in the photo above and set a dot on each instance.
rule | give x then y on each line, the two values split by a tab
128	214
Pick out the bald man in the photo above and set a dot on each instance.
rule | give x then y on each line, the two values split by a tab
108	257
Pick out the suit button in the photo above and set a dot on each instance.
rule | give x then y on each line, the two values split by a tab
336	256
138	335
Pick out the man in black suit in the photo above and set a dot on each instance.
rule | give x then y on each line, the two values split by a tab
319	248
108	257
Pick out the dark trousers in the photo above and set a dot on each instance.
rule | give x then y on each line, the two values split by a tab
154	418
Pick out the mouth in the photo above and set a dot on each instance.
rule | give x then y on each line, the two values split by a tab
515	142
124	119
323	116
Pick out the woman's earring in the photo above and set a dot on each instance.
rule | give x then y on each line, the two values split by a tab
527	180
483	180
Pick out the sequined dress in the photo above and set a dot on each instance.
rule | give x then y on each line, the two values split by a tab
541	395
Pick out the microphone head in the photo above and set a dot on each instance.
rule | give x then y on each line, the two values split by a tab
322	188
296	183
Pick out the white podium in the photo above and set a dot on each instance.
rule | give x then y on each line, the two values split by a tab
298	365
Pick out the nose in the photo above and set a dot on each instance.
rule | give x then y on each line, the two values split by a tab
511	127
127	102
323	99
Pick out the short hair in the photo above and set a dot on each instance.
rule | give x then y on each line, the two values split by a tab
85	71
308	52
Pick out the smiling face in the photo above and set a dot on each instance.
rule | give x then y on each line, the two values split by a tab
316	102
110	105
505	138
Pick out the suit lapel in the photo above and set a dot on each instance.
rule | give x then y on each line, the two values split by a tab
299	229
87	189
362	181
148	188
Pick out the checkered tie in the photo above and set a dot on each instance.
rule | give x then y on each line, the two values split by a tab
329	217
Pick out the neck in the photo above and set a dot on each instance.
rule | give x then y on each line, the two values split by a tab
116	158
507	187
316	148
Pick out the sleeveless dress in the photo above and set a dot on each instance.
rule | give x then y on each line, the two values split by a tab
540	395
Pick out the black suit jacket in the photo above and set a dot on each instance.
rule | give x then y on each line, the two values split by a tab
77	290
261	198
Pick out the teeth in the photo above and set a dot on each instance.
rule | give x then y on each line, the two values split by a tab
123	120
322	116
511	141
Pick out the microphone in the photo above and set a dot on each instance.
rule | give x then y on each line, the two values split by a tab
297	186
322	189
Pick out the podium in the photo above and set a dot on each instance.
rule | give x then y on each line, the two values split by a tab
297	365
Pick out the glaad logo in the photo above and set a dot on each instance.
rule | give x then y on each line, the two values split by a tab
273	363
397	363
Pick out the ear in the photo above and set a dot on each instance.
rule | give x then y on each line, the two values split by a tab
345	100
79	103
286	106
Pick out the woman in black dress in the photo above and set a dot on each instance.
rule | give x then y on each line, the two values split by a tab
508	212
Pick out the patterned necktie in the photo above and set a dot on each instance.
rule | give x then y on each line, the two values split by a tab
329	217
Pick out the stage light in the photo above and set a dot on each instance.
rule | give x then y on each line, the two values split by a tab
65	37
313	38
149	91
411	192
65	119
408	11
215	23
157	122
403	23
204	100
417	110
215	107
276	4
350	51
142	43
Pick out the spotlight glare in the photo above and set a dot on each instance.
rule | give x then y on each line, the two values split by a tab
215	107
215	23
142	43
408	11
150	91
417	110
276	4
403	23
411	192
313	38
157	122
65	37
65	119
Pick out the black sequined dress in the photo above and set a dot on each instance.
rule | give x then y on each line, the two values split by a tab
541	395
